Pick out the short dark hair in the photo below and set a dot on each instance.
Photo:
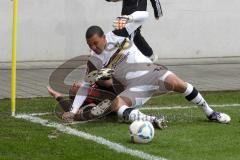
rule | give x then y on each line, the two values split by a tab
91	31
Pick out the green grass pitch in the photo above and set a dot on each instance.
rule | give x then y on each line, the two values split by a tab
189	135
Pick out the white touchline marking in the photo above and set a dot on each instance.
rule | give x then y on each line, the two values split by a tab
75	122
114	146
155	107
40	114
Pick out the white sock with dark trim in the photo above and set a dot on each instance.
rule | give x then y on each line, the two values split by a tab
127	114
191	94
138	115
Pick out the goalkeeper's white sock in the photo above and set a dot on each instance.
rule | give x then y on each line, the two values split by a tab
127	114
191	94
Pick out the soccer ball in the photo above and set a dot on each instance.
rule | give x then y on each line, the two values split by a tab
141	131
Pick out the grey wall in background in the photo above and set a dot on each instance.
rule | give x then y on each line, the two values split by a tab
55	29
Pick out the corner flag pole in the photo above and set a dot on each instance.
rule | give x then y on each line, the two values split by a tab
14	46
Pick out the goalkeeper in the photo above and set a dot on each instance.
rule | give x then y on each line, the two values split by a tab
138	75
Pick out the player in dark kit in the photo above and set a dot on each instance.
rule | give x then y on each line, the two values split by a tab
130	6
96	94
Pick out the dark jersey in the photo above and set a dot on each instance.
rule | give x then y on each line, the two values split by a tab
130	6
97	94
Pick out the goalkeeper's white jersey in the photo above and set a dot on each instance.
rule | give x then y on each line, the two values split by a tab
132	54
128	65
